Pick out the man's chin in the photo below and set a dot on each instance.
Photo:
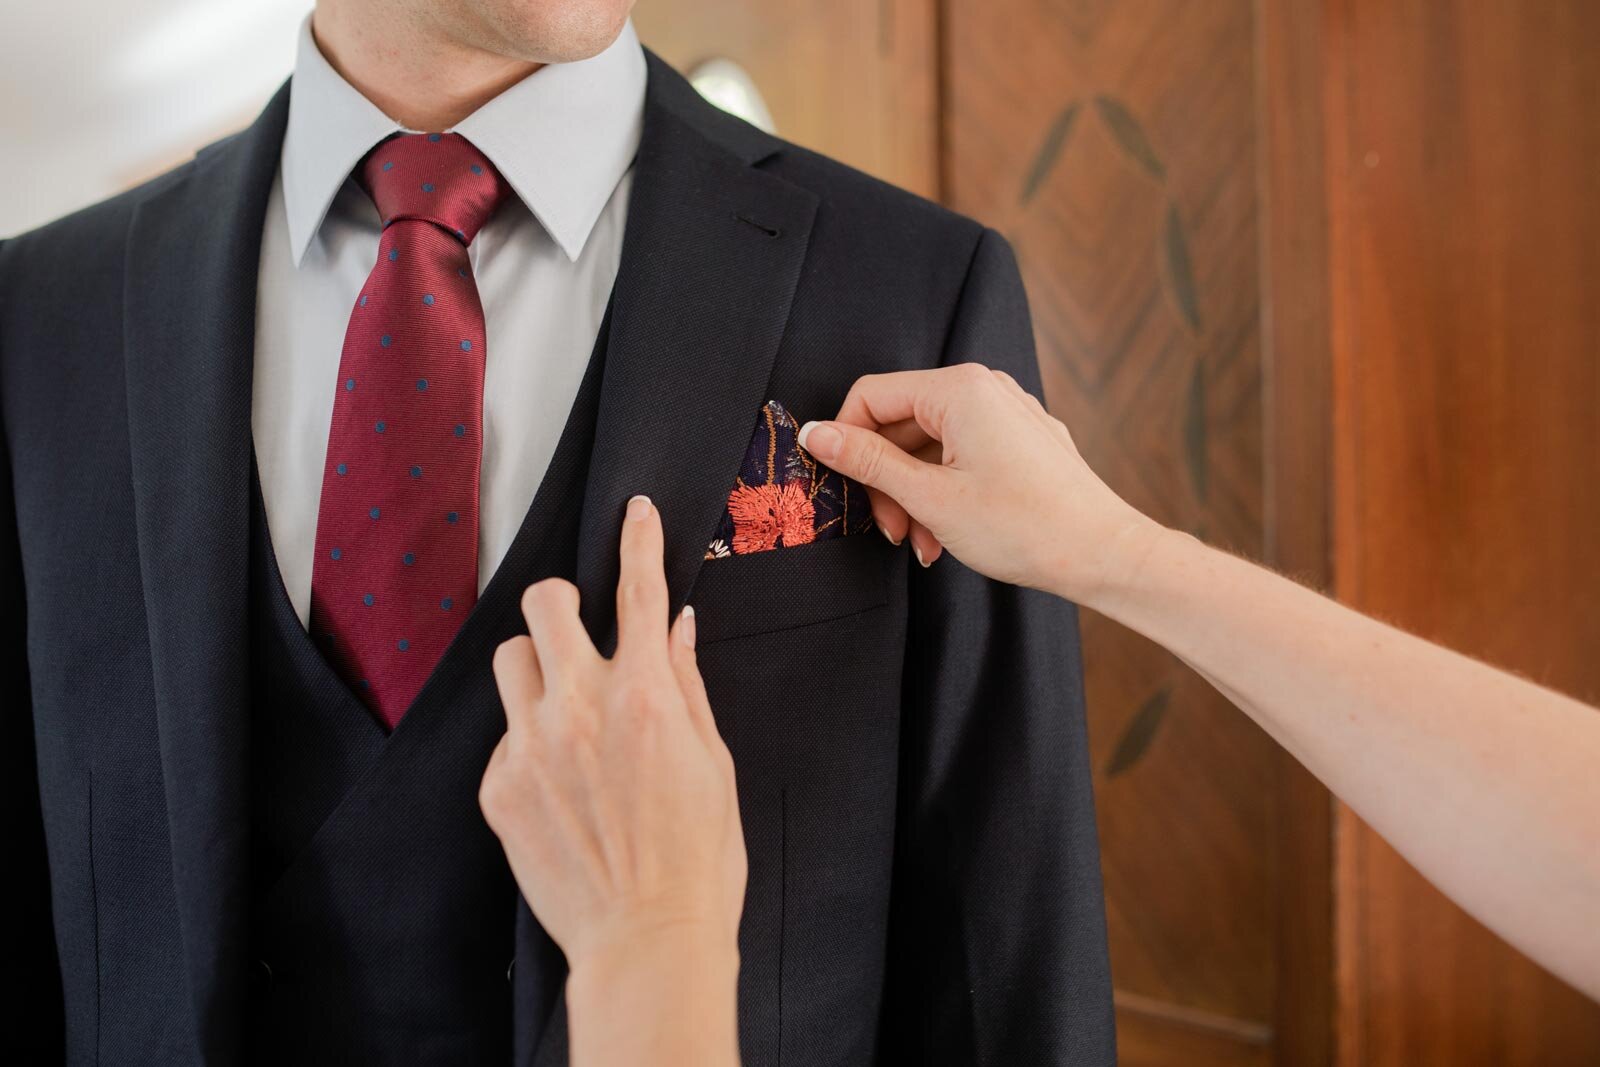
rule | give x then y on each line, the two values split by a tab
547	32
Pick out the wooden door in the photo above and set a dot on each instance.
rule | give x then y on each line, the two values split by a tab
1463	161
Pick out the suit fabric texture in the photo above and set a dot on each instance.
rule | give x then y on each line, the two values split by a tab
913	775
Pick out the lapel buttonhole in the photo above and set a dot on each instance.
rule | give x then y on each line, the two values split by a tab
748	221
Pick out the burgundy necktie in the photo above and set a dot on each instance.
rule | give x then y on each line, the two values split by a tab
396	569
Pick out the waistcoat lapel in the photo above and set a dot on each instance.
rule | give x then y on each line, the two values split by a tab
189	325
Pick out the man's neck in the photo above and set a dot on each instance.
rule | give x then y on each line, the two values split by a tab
422	80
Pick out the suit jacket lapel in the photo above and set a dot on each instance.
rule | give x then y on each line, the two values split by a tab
710	261
189	323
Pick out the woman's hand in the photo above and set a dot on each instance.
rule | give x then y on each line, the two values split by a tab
962	458
613	796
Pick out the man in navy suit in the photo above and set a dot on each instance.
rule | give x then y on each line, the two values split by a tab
248	622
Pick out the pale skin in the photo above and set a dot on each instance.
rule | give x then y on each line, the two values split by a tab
614	798
428	64
1484	781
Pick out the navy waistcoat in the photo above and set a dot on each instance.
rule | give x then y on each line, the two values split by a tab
382	909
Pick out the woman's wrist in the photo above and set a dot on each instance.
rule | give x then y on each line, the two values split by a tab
1116	569
676	986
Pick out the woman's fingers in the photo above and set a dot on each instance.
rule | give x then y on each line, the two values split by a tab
924	545
891	519
908	436
517	676
642	582
560	642
687	670
880	399
872	460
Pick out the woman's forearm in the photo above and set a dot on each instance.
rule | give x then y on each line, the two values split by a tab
1488	784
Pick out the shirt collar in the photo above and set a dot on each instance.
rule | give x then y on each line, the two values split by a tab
562	137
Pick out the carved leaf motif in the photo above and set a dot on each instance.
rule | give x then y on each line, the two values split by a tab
1130	135
1135	740
1180	270
1049	151
1194	433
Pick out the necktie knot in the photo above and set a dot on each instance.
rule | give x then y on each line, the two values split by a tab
433	177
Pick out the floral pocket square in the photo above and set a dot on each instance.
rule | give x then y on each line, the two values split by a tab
783	497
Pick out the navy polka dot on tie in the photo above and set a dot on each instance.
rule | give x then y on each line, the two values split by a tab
363	300
416	472
477	169
402	644
388	166
452	517
374	513
386	340
368	600
434	137
409	558
334	553
394	254
365	684
349	385
342	469
381	427
466	346
461	271
427	299
446	604
461	235
461	430
427	187
422	385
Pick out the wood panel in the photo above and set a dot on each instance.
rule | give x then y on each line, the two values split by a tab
1156	1034
1465	261
1297	373
855	79
1115	144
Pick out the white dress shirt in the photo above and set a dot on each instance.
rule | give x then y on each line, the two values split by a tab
564	138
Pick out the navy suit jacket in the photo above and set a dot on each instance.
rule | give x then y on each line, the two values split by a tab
913	770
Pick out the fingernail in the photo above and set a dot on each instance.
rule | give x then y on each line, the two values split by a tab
885	533
686	625
638	507
918	552
821	440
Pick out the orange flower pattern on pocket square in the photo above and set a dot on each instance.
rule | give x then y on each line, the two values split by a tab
783	497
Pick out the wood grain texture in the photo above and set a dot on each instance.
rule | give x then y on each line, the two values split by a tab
854	79
1463	145
1115	145
1155	1034
1297	372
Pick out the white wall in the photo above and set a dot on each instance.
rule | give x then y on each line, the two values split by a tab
98	94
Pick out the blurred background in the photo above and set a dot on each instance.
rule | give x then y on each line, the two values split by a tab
1317	280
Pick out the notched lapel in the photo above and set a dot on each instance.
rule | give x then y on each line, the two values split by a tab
711	259
189	330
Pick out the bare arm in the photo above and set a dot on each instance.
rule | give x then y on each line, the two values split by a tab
1485	782
614	798
1488	784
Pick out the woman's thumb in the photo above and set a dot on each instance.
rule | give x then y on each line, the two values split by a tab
869	458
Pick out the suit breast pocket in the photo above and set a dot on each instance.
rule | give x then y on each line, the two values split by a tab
787	588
